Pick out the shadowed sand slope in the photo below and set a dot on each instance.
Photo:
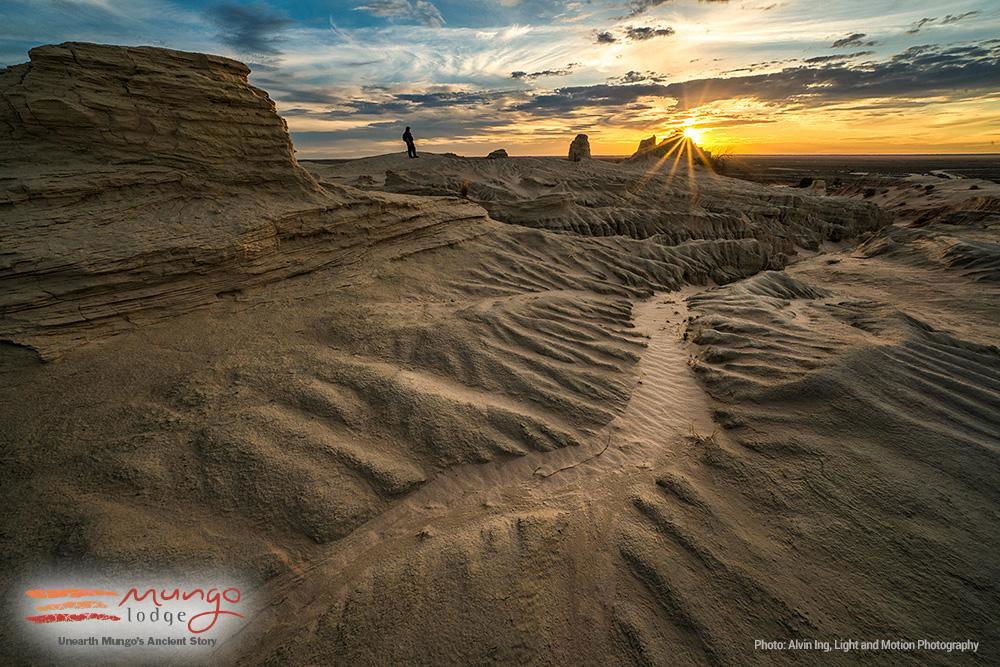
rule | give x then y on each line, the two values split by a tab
834	487
595	426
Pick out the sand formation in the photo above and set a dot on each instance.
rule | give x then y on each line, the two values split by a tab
664	204
144	182
645	145
580	148
461	410
674	145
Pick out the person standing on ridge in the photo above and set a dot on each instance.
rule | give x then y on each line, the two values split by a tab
411	148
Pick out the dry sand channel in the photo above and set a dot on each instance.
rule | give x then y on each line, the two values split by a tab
667	407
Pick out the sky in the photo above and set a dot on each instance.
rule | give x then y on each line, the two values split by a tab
471	76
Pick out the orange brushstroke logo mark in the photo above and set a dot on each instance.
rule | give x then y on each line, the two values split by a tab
51	594
78	604
67	593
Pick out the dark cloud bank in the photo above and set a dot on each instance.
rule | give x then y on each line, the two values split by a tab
917	72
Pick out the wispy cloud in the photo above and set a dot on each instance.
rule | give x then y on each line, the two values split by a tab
642	99
837	57
854	39
253	29
418	11
531	76
955	18
919	24
947	20
639	7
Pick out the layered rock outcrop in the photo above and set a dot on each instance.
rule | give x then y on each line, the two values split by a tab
190	115
579	149
645	144
675	146
643	200
142	182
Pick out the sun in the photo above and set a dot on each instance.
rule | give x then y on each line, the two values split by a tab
694	134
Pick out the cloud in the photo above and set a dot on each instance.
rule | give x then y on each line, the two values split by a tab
735	121
418	11
919	73
920	24
644	33
854	39
955	18
398	104
638	7
634	34
281	90
926	72
249	28
634	76
838	56
767	64
914	51
639	100
531	76
452	98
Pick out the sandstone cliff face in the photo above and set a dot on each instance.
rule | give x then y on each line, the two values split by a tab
142	182
190	112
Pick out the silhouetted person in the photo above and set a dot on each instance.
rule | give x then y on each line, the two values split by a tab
411	148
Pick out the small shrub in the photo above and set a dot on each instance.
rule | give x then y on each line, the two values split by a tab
721	162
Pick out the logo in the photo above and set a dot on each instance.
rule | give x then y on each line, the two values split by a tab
163	615
72	604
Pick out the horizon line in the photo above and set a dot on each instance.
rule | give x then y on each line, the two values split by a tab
625	155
